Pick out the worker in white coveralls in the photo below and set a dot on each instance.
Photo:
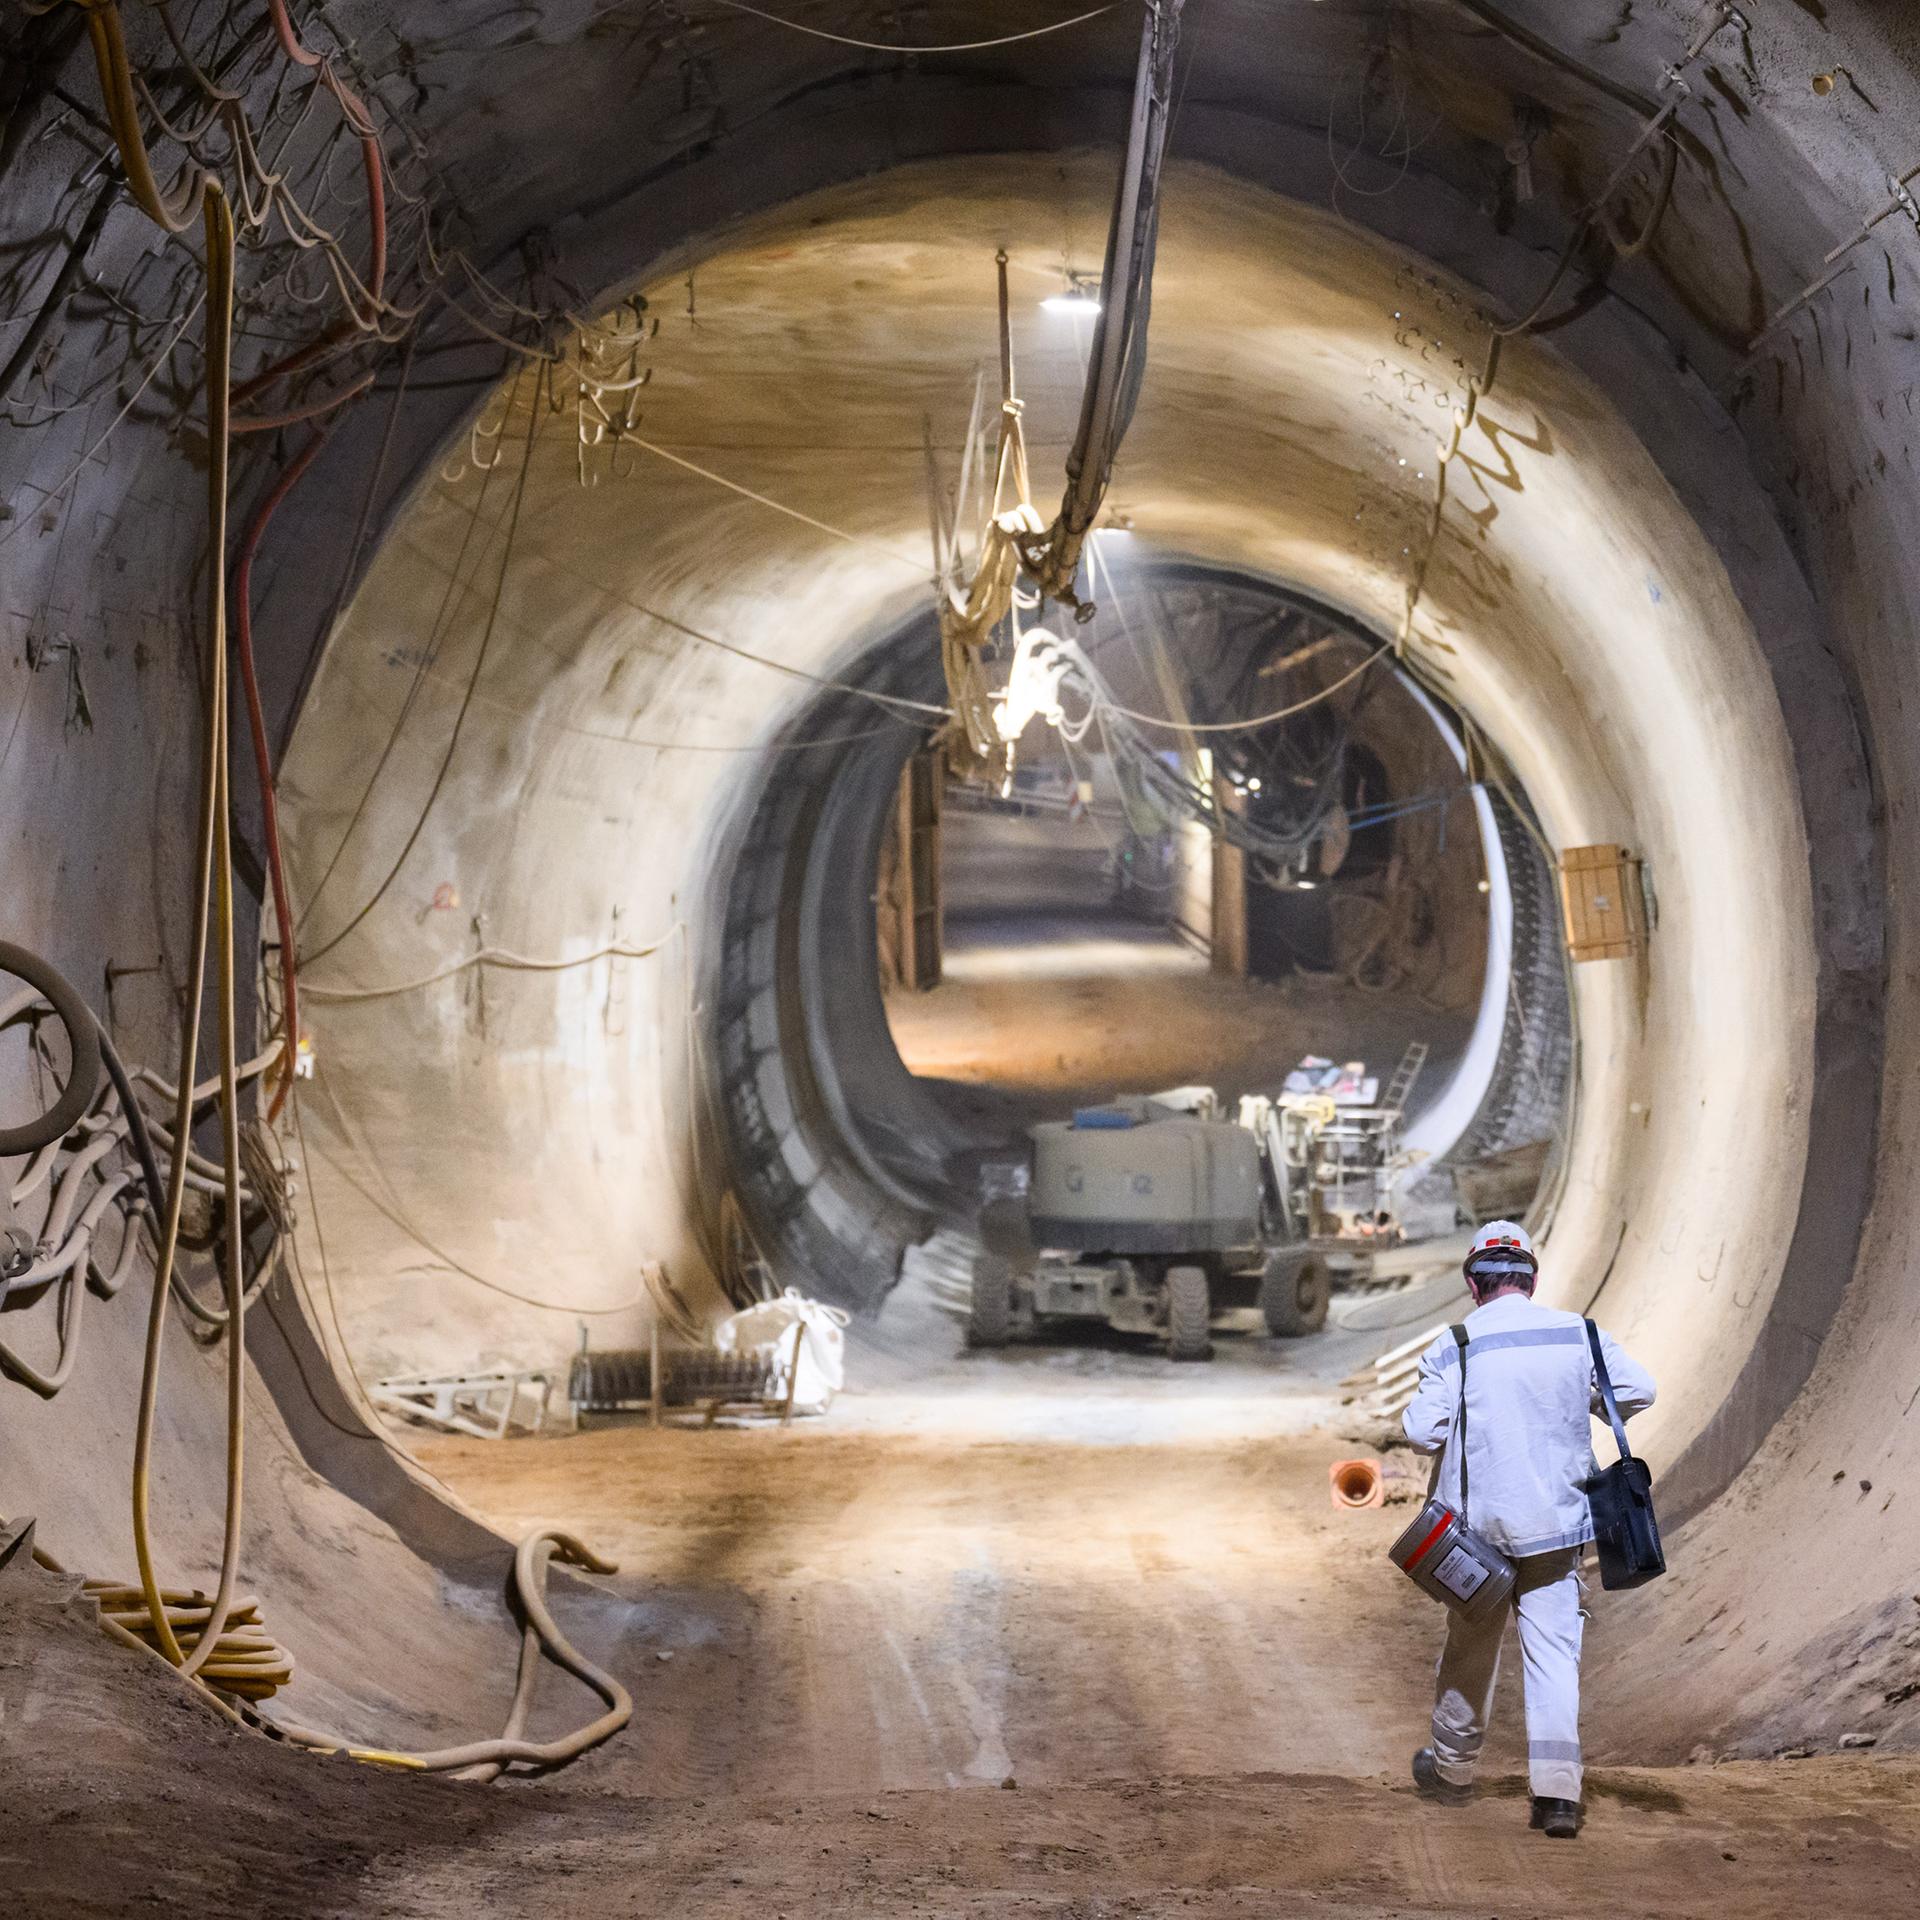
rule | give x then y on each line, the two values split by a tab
1530	1393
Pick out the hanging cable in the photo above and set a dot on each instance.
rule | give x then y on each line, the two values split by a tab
436	635
1118	353
1595	211
262	760
212	878
894	703
501	957
1254	721
307	410
479	665
760	499
881	46
218	1639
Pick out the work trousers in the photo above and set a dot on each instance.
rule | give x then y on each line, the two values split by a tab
1547	1601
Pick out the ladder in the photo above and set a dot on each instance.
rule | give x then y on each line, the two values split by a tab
1400	1087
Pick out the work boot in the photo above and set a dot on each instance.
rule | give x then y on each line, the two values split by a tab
1433	1784
1557	1819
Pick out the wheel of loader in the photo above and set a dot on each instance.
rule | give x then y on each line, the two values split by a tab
1294	1294
990	1317
1189	1312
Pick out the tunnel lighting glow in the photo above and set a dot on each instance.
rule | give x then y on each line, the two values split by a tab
1253	785
1074	300
1306	886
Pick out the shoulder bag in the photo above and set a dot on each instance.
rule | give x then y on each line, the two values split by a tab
1626	1536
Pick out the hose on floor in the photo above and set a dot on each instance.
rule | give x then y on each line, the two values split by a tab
246	1665
241	1662
539	1635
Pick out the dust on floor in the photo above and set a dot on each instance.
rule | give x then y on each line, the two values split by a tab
122	1798
1065	1031
1082	1662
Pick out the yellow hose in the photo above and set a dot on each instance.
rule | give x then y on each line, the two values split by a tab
212	871
539	1634
219	379
123	116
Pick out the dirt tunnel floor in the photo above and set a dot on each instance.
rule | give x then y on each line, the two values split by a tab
944	1653
1048	1011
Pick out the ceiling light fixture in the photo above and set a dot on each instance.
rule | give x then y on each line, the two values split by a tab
1080	297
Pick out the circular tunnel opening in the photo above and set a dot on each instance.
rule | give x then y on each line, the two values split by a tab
612	801
650	713
920	966
1087	927
676	688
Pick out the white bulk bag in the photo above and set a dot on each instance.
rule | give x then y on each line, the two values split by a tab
768	1330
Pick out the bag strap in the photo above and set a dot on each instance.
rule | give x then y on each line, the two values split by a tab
1606	1391
1460	1340
1440	1458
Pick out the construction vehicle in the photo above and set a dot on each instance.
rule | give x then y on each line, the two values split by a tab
1334	1170
1152	1215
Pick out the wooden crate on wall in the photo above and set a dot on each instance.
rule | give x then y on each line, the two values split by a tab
1605	909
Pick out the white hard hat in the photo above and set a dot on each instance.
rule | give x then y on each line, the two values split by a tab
1502	1236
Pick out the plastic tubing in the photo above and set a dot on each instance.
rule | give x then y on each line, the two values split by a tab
293	416
219	381
123	116
202	1175
46	1385
137	1129
489	1757
83	1038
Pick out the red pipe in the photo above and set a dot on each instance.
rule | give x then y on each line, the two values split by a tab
266	422
262	760
289	40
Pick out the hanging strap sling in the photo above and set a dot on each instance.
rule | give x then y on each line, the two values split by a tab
1626	1535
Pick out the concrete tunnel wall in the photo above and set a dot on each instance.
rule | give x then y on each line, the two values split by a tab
836	1156
1587	628
1801	490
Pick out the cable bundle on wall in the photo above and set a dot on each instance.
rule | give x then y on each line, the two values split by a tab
103	1163
216	1641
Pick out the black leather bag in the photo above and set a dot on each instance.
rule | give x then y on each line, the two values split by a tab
1626	1536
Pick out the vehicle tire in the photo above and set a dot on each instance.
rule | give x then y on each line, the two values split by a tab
990	1316
1189	1312
1294	1295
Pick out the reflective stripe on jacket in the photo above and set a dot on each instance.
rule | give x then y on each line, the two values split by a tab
1530	1400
